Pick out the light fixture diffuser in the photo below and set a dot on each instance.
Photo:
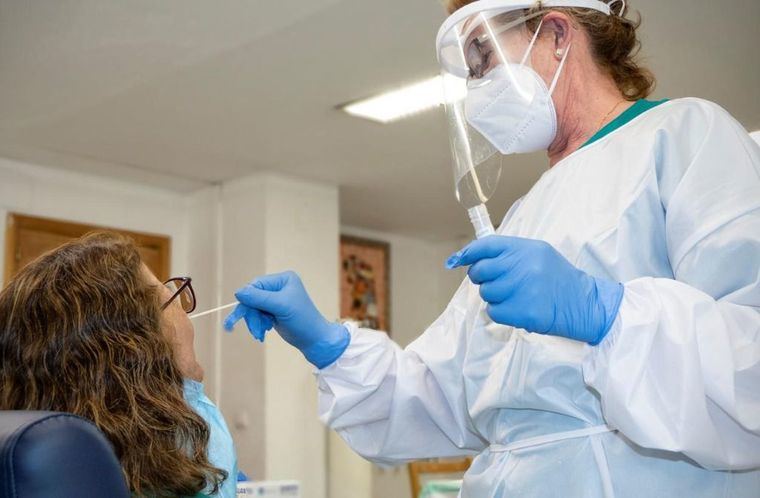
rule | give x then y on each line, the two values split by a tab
405	101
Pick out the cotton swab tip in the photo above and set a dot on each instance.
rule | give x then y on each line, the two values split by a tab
214	310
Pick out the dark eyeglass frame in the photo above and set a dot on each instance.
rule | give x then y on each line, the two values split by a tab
479	70
183	283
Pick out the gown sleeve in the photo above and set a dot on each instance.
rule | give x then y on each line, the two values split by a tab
391	404
680	368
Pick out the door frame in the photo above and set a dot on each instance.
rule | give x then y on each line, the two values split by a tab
17	221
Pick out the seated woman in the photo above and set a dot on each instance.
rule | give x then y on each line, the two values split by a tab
88	329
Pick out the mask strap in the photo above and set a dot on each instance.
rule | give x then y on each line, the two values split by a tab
532	42
622	9
561	64
559	70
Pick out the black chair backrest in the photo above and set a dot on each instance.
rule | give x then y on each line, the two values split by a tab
56	455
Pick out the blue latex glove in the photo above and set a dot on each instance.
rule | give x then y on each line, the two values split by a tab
529	285
257	322
280	300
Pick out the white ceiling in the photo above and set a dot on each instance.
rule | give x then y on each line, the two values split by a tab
182	93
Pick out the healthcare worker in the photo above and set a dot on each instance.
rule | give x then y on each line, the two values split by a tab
607	340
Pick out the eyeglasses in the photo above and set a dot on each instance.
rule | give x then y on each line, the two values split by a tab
181	288
479	49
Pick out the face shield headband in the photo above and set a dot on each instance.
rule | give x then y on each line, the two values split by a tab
449	39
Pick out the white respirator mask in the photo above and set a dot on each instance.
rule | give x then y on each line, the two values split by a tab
514	111
496	102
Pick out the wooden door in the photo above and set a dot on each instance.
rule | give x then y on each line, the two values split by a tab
28	237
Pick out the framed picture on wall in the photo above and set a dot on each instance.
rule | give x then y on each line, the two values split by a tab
365	282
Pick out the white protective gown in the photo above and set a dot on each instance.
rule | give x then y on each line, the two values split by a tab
668	204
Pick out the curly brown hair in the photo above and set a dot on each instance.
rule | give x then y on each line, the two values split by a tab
80	332
613	43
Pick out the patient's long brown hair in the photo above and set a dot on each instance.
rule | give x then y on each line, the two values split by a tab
80	332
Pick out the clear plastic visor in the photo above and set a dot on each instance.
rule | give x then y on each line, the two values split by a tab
468	53
477	44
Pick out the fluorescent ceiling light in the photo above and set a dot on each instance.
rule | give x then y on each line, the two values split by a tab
406	101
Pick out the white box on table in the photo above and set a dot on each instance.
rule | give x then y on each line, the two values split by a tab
268	489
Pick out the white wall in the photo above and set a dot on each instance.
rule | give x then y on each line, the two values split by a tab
420	290
302	220
84	198
203	253
420	284
39	191
223	236
239	230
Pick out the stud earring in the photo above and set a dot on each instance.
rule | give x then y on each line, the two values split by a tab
559	53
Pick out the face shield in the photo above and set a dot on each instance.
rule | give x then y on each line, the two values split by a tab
496	104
